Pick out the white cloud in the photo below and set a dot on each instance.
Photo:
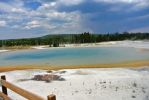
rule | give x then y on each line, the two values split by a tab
53	4
45	5
18	10
39	24
45	19
32	24
3	23
63	15
141	5
124	1
70	2
50	5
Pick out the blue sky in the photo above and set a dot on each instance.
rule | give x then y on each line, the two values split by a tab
32	18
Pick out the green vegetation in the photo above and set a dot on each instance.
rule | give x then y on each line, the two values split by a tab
86	37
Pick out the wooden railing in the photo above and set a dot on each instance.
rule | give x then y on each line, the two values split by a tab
26	94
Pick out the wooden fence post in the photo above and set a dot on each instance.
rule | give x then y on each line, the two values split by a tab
51	97
4	89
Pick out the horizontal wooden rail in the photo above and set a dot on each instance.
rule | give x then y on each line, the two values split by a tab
26	94
21	91
4	96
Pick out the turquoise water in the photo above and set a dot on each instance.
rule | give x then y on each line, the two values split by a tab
72	56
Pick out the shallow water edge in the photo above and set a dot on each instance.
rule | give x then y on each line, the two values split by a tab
130	64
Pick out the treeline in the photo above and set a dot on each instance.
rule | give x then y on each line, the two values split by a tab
86	37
